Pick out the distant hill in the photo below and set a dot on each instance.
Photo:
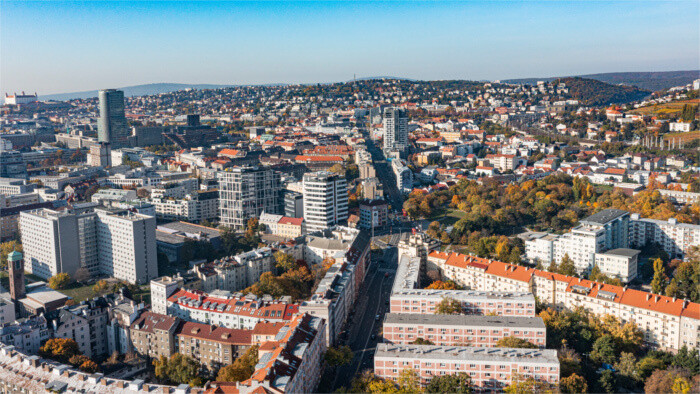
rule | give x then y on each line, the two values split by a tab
652	81
593	92
137	90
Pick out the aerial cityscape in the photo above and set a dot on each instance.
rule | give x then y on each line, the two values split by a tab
342	197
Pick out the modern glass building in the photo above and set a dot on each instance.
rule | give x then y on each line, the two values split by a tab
112	126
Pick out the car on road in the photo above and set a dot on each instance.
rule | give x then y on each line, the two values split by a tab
376	318
386	274
373	337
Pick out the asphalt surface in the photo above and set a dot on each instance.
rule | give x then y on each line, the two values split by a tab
385	175
373	301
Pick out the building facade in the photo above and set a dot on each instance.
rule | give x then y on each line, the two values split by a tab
325	200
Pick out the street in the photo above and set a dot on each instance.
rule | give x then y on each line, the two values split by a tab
385	175
363	324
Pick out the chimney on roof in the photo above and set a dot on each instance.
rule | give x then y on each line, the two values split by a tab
648	296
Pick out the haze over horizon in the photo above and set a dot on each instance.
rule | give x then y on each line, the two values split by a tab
61	47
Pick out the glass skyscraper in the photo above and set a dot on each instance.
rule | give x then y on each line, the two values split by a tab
112	126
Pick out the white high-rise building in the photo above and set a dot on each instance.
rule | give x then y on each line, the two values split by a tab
325	200
395	130
403	174
245	193
119	244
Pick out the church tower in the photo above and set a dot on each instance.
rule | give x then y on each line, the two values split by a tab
15	266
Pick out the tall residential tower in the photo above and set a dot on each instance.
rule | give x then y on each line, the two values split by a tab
325	200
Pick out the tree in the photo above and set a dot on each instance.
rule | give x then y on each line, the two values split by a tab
687	359
409	381
284	261
338	169
89	366
448	306
567	267
626	366
606	382
604	350
241	369
513	342
421	341
459	383
672	380
82	275
337	356
647	365
444	285
5	249
60	349
179	368
529	385
573	384
59	281
143	193
658	284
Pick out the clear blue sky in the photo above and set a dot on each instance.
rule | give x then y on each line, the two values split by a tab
53	47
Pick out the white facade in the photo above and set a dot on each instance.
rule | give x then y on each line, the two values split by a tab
325	200
403	174
675	238
395	129
618	263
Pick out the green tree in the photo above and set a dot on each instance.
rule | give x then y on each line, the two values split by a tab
647	365
409	381
604	350
686	281
285	261
567	267
59	281
606	382
658	284
337	356
241	369
627	365
687	359
573	384
459	383
179	369
513	342
528	386
448	306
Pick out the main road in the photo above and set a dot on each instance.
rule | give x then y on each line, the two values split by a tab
385	175
366	323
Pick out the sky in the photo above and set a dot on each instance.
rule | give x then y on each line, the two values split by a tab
57	47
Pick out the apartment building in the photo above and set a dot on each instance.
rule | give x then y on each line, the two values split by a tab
291	228
675	238
667	322
247	192
395	130
153	335
225	309
235	273
374	214
63	323
26	335
403	174
680	197
490	369
12	186
292	363
193	207
325	200
213	346
116	243
618	263
461	330
337	291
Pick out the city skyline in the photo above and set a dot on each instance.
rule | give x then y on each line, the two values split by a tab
109	44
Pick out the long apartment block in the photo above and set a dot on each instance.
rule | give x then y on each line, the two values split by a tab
462	330
489	368
667	322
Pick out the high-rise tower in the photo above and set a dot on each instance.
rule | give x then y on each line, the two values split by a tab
112	126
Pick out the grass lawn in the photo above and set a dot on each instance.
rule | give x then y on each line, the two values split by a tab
79	292
449	216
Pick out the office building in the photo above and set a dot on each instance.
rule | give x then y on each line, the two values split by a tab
100	155
325	200
395	130
112	127
12	164
247	192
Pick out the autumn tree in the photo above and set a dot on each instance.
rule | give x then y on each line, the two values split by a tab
448	306
421	341
459	383
529	385
241	369
60	349
513	342
5	249
444	285
59	281
671	380
573	384
409	381
284	261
